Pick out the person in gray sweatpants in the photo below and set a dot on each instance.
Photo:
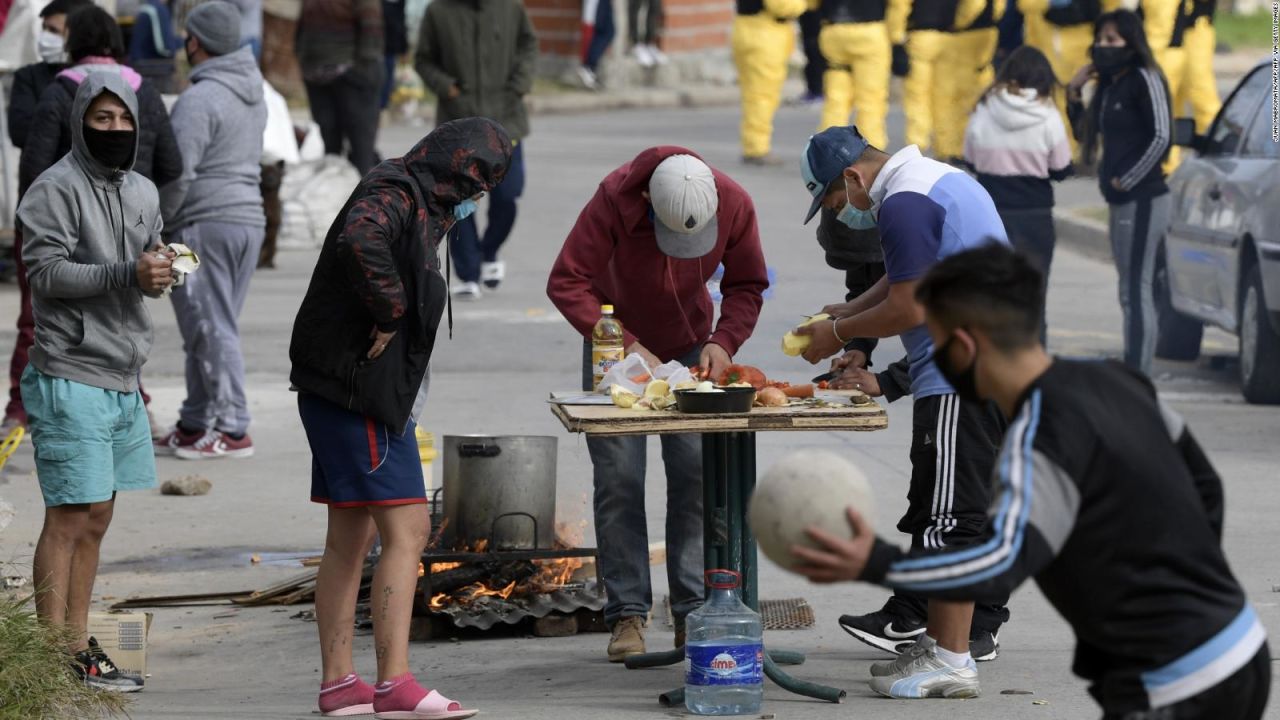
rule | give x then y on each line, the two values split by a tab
1137	228
215	208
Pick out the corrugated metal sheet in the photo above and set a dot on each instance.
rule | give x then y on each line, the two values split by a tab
489	611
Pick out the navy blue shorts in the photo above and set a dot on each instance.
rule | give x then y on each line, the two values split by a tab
356	461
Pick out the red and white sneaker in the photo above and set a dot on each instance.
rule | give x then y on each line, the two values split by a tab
216	444
168	445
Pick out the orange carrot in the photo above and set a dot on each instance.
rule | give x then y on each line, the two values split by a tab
641	379
798	391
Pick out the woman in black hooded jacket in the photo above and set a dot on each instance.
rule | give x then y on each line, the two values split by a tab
94	44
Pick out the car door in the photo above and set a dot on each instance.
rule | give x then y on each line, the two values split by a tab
1203	237
1253	188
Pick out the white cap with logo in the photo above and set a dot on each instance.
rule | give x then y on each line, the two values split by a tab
683	193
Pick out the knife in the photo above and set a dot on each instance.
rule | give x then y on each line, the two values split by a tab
825	377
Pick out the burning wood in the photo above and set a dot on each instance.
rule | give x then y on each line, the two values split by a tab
495	578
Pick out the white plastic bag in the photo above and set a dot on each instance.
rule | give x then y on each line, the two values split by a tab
673	372
622	373
634	366
278	140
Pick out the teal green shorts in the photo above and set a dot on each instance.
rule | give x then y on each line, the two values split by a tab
90	443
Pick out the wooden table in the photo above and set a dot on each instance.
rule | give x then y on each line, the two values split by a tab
610	420
728	477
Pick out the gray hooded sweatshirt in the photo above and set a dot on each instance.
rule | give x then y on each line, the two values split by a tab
219	122
84	227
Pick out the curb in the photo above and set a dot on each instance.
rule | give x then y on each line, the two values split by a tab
647	98
1083	235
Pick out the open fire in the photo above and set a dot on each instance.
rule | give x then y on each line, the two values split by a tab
486	576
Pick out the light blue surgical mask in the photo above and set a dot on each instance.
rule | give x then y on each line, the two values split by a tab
854	218
463	210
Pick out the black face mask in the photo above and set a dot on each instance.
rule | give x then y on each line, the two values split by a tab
1111	60
113	148
964	382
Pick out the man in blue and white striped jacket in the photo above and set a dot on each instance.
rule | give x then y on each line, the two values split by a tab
1163	628
925	211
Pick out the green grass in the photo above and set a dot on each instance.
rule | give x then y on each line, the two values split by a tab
36	680
1241	32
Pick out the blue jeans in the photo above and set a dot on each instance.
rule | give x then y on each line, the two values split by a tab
601	36
622	531
389	82
464	241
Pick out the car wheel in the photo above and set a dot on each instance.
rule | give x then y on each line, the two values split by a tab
1259	345
1177	336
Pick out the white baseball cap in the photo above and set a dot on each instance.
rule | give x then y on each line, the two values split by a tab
683	193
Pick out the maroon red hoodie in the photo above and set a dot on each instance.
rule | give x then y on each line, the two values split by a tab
611	257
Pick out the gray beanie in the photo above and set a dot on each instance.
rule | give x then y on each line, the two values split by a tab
216	24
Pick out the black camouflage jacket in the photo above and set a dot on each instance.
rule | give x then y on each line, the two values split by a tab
380	268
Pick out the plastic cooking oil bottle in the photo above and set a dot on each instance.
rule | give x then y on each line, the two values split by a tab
606	345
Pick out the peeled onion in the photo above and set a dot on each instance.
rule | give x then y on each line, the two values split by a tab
771	397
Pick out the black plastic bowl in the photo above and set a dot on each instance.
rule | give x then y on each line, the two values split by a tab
732	400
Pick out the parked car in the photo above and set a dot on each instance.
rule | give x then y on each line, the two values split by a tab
1220	260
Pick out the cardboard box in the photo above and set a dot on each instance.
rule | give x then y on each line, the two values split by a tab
123	636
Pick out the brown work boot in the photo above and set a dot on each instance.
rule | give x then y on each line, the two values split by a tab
627	639
680	634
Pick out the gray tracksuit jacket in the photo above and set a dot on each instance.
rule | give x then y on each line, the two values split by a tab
84	226
219	122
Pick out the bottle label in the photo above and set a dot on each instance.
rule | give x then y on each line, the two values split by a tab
603	360
724	665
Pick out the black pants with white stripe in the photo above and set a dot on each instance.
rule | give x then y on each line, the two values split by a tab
954	445
1242	696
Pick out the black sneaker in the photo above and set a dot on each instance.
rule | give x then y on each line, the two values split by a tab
984	646
98	672
884	630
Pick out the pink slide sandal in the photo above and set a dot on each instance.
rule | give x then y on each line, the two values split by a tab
432	707
402	698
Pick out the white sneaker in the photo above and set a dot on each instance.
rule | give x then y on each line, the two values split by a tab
588	78
466	291
643	56
926	676
493	273
889	668
658	56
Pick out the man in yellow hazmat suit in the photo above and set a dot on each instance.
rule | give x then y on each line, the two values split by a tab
1165	22
923	90
764	34
857	39
1198	86
965	71
1063	31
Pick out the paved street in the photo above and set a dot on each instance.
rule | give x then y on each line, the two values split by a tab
508	350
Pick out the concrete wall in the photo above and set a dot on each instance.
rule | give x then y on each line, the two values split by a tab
695	36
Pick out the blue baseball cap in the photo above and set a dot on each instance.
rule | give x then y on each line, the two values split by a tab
824	159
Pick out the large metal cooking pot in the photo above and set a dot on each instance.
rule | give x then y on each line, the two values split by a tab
500	487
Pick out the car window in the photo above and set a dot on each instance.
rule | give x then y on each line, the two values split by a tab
1229	127
1261	140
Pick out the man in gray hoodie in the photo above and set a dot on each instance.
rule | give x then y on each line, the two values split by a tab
87	224
215	208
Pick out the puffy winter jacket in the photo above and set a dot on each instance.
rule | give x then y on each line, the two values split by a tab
49	137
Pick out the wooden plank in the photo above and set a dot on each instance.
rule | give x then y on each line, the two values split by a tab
601	420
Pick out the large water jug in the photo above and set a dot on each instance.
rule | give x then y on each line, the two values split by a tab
724	653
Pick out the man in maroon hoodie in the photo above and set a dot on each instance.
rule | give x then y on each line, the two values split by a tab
655	232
